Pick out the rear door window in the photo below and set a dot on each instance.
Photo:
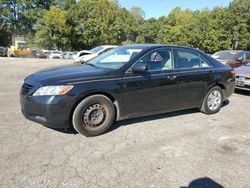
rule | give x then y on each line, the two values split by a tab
204	63
187	59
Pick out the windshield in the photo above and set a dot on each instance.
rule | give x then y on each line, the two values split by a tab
96	49
115	58
224	55
21	44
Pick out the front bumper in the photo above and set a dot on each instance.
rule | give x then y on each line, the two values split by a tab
242	83
50	111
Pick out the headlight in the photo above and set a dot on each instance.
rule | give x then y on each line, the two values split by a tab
53	90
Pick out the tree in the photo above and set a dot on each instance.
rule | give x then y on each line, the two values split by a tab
54	30
21	15
138	13
239	24
149	30
83	24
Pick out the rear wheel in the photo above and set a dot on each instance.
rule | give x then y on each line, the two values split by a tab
94	115
212	101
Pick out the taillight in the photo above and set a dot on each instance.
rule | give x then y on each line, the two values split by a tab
233	73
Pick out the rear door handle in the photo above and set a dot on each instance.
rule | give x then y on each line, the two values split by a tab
172	77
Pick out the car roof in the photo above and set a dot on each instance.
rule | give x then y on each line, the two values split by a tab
152	46
108	46
233	51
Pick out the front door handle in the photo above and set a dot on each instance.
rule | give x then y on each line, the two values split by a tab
172	77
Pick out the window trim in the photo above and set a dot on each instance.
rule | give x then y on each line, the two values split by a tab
154	50
210	65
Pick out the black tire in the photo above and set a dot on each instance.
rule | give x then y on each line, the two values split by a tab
98	106
206	107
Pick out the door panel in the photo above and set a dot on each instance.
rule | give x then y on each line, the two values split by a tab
149	94
193	77
193	85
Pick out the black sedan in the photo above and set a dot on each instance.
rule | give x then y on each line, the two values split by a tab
129	81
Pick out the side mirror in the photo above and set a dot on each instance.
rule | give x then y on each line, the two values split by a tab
140	68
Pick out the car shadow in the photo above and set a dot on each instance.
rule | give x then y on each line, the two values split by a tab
203	183
156	117
242	92
225	103
151	117
132	121
65	130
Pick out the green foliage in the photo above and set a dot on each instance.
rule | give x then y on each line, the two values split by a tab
239	24
53	29
83	24
140	39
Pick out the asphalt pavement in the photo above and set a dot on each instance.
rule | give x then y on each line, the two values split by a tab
179	149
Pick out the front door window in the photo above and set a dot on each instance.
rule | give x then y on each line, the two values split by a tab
158	60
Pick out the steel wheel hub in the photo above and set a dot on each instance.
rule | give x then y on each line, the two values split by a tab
214	100
94	115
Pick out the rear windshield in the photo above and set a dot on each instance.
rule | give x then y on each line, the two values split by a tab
225	55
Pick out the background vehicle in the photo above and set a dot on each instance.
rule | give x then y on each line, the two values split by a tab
85	56
3	52
18	48
80	54
129	81
55	55
68	55
243	77
233	58
40	54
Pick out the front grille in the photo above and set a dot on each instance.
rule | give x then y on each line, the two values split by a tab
25	89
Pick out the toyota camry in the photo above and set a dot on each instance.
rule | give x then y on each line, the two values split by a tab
129	81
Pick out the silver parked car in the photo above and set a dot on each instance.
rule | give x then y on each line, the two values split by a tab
243	77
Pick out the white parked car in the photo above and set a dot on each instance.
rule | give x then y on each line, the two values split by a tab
86	55
81	53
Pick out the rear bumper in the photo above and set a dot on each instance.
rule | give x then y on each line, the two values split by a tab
230	88
50	111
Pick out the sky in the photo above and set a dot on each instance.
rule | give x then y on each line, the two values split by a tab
158	8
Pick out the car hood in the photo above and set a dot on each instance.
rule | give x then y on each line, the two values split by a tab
243	71
68	74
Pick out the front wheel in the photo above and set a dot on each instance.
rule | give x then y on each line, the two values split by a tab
212	101
93	116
